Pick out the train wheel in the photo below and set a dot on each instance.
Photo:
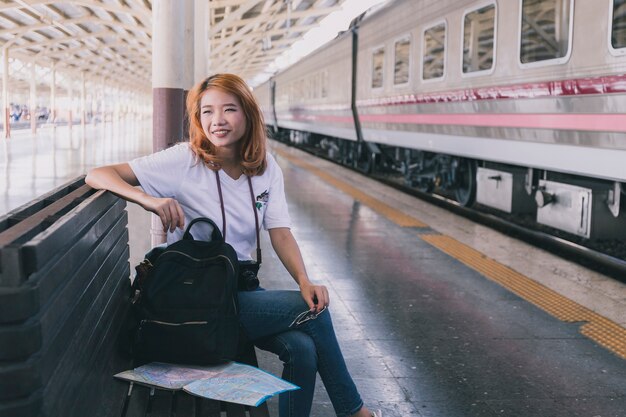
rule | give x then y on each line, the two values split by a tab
465	191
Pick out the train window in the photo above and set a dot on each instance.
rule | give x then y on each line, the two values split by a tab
545	30
378	65
433	58
618	24
478	39
401	64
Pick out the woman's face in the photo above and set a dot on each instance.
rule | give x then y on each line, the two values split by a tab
222	118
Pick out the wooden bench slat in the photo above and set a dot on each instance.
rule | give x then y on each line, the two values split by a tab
18	379
79	295
26	210
39	330
100	363
41	248
12	265
30	226
49	279
28	406
84	352
19	303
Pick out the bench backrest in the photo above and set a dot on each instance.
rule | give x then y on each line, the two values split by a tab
63	302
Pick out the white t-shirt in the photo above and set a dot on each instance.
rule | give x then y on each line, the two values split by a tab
177	173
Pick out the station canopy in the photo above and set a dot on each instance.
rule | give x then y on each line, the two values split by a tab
111	40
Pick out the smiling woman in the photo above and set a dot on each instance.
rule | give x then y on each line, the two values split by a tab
214	176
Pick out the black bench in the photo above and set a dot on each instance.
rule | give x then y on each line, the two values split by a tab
64	299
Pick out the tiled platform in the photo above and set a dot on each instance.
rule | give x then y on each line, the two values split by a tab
423	333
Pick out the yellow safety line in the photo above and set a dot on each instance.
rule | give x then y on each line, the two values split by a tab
386	210
598	328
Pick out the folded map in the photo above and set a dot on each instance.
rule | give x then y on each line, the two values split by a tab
232	382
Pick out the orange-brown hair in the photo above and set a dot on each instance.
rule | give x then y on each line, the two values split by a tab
253	142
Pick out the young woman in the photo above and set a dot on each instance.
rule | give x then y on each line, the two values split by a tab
227	146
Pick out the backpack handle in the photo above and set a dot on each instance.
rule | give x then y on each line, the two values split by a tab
215	234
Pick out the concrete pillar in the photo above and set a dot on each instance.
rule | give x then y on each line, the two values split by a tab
93	104
188	63
5	92
201	41
70	98
103	112
83	100
53	95
168	59
117	103
33	98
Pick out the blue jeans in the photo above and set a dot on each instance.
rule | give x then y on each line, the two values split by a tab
311	347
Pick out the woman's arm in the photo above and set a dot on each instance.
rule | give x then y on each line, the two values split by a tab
286	247
121	180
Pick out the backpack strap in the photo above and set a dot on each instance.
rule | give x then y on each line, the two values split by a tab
219	191
254	210
256	222
215	234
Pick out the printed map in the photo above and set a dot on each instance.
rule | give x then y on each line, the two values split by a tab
232	382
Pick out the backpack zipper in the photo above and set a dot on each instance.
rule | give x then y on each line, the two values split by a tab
201	259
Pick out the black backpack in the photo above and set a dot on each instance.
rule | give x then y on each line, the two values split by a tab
186	302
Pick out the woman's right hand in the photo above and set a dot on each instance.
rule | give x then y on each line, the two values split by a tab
121	180
168	209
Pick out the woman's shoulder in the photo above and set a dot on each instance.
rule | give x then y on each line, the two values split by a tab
271	166
178	155
181	151
181	147
271	161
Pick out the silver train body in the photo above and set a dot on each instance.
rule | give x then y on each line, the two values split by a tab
515	104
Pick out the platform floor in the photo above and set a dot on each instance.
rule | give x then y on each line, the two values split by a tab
438	316
33	164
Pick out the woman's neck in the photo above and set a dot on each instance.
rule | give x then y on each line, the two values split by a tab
233	171
231	165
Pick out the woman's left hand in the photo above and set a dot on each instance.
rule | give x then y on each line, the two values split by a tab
316	296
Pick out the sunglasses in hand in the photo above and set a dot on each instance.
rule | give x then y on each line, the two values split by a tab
306	316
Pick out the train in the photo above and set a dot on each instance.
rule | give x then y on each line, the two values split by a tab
514	105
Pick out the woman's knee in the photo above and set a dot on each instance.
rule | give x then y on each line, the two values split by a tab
298	349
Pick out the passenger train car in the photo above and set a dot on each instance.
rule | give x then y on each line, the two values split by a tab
518	105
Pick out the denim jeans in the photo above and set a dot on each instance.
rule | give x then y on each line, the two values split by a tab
304	350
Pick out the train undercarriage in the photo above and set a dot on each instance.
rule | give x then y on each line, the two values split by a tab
425	171
587	208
